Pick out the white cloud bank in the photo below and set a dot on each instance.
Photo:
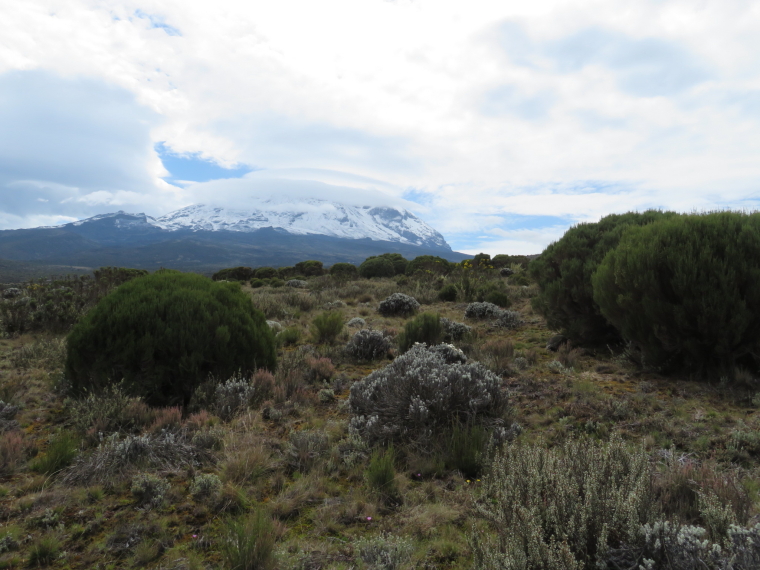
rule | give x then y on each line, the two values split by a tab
496	117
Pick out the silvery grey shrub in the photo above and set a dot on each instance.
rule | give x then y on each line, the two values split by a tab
398	304
419	395
453	330
483	310
367	344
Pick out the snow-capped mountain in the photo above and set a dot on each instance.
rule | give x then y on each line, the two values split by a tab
308	216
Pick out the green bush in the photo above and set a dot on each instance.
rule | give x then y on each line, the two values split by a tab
234	274
448	293
425	328
61	451
289	336
685	290
564	270
503	260
166	333
310	268
256	283
276	282
265	273
249	542
429	263
326	327
344	271
377	267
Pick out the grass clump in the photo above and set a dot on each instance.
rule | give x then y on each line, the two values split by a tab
425	328
248	542
44	550
381	473
326	327
61	451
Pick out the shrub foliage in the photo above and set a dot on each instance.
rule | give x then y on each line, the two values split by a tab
684	289
164	334
425	328
418	395
564	270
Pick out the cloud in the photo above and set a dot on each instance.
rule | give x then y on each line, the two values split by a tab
70	146
646	67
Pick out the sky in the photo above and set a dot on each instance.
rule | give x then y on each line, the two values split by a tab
500	123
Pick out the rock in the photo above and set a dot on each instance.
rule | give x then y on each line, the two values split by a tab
555	342
275	326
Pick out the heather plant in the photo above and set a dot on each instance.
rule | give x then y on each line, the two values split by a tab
418	395
367	345
425	328
326	327
288	337
683	290
205	328
398	304
448	293
563	507
564	271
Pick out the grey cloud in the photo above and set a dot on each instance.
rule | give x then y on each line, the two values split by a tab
281	142
62	139
645	67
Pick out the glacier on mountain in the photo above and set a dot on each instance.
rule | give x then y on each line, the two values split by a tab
308	216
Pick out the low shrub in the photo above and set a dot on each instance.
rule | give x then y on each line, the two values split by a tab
248	542
117	458
205	486
326	327
385	552
356	322
109	411
309	268
450	353
42	353
265	273
418	395
297	283
44	550
425	328
482	310
366	345
398	304
497	354
509	320
563	507
453	330
431	264
7	415
233	397
257	283
305	448
149	490
319	369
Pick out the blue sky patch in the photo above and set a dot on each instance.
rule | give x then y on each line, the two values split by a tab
193	168
158	22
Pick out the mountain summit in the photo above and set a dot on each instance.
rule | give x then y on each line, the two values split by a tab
309	216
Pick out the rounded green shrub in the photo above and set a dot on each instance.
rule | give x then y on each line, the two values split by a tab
448	293
234	274
344	271
563	273
265	273
685	289
377	267
326	327
429	263
309	268
166	333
